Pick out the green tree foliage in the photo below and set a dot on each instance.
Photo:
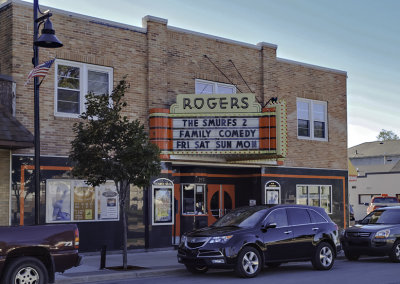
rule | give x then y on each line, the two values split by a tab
108	146
386	135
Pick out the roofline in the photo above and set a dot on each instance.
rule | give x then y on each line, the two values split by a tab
326	69
109	23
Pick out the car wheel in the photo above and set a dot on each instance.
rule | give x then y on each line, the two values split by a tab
27	270
395	253
351	255
323	258
274	264
249	263
196	269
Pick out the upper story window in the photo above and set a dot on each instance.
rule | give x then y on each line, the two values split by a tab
74	80
312	119
210	87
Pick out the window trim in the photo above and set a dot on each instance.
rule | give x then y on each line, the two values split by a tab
311	119
319	194
83	84
215	85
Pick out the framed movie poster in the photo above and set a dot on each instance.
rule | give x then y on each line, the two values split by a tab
272	193
58	201
163	202
108	204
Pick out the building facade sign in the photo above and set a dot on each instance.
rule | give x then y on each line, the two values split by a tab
219	124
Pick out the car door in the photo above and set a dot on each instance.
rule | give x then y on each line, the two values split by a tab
278	240
303	231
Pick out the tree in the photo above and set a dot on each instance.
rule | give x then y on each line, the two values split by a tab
386	135
108	146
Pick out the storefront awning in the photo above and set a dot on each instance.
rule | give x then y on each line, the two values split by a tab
13	135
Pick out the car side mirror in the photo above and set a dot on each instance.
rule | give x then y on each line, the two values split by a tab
265	227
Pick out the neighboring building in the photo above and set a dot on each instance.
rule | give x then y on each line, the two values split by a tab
236	125
13	136
378	172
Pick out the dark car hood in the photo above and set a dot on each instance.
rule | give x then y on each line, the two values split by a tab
215	231
370	227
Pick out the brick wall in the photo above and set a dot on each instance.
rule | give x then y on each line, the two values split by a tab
161	62
4	187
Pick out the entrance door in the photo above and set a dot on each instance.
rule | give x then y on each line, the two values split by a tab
221	199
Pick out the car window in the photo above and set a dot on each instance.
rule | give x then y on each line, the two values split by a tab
316	217
382	217
298	216
277	216
385	200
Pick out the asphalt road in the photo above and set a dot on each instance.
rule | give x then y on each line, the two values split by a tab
365	270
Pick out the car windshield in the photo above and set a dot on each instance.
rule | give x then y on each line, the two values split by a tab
382	217
244	218
386	200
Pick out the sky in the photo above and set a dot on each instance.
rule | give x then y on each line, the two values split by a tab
361	37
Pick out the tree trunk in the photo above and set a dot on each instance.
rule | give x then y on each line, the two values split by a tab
125	239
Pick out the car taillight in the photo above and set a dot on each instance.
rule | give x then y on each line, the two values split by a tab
76	239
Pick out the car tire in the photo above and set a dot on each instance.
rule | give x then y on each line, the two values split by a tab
249	263
395	252
196	269
27	270
352	256
323	257
274	264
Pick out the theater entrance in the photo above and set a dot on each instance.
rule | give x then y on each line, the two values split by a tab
221	199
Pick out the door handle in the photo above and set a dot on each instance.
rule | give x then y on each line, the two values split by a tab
315	229
288	232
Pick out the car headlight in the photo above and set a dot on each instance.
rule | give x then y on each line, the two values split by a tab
183	239
222	239
382	234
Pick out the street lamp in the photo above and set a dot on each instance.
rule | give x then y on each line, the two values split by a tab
47	40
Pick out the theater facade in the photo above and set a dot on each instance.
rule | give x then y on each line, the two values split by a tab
236	125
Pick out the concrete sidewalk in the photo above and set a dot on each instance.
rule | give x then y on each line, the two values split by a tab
154	262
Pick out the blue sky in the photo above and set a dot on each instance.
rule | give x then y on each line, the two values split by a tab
361	37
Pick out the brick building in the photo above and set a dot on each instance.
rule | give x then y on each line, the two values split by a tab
236	125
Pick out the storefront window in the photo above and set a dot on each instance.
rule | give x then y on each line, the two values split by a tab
194	199
315	195
75	201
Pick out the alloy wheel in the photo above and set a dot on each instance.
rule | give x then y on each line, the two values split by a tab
397	251
27	275
326	256
250	262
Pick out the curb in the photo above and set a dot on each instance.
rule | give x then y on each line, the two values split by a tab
104	275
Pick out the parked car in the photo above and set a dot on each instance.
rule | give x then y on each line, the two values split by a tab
378	234
382	201
32	254
248	238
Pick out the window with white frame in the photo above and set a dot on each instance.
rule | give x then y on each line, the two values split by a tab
210	87
312	119
315	195
74	80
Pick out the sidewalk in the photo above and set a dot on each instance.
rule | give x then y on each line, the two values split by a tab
154	262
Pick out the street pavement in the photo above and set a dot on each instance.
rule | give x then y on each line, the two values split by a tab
151	263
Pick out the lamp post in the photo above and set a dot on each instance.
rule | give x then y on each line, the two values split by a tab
47	40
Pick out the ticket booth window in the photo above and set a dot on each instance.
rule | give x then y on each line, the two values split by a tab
194	199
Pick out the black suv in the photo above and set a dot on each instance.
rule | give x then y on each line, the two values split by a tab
378	234
247	238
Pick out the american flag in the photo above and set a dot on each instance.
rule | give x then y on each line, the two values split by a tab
40	71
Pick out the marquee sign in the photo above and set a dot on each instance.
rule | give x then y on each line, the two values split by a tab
217	124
